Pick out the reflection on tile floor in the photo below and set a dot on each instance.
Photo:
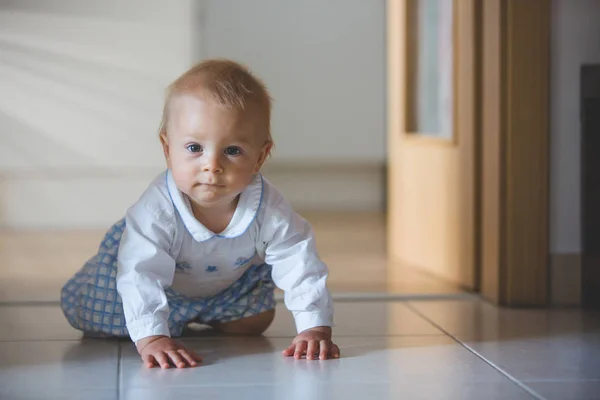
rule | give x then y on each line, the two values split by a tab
418	348
463	349
388	365
534	345
35	264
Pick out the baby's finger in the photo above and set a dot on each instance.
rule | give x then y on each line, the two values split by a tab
289	351
149	360
162	359
335	351
324	349
313	347
191	353
300	349
195	356
176	358
189	357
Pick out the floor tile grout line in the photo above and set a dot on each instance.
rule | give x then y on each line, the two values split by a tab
517	382
41	303
341	297
119	354
79	339
39	340
561	380
187	338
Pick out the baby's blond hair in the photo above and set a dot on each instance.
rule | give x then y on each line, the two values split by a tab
225	82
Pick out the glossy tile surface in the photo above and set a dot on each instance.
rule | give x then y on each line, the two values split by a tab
34	265
366	318
58	369
34	322
563	390
555	344
385	365
390	350
310	390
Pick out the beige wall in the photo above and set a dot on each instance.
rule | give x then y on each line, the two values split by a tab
82	86
324	63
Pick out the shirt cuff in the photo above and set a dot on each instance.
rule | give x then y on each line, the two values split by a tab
149	326
311	319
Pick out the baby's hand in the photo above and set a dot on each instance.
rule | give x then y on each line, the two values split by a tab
313	341
159	350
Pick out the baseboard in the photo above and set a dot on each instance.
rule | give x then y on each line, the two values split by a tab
335	187
565	279
93	199
89	199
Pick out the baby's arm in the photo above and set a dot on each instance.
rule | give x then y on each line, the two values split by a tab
145	269
297	269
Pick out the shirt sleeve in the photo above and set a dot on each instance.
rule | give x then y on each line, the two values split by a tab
289	247
145	268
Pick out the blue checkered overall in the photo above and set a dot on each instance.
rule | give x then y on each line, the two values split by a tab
91	303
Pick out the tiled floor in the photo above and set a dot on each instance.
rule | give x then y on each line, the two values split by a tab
418	338
451	349
34	265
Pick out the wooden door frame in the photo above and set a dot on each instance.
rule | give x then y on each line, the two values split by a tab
512	147
514	187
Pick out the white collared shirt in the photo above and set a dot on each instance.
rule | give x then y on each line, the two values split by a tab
165	245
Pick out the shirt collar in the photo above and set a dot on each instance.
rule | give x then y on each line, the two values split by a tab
244	215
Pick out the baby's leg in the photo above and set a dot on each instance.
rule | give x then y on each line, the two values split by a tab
247	307
253	325
89	300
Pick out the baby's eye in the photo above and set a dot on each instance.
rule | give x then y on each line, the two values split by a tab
233	151
194	148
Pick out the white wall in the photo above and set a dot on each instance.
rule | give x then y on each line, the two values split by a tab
575	41
81	89
324	62
81	86
82	83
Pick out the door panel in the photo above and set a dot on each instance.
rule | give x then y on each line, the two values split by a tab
431	181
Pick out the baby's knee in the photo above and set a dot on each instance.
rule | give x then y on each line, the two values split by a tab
260	324
252	326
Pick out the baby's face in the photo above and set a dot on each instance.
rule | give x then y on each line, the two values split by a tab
213	152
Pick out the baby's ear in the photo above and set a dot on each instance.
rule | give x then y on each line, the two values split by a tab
164	141
264	153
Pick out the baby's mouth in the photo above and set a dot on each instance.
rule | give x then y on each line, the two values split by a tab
217	185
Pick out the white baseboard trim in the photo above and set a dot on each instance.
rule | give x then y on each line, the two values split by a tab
93	199
333	187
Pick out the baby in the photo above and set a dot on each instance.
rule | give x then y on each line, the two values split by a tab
209	238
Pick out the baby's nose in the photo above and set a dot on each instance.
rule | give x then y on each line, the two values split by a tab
213	165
